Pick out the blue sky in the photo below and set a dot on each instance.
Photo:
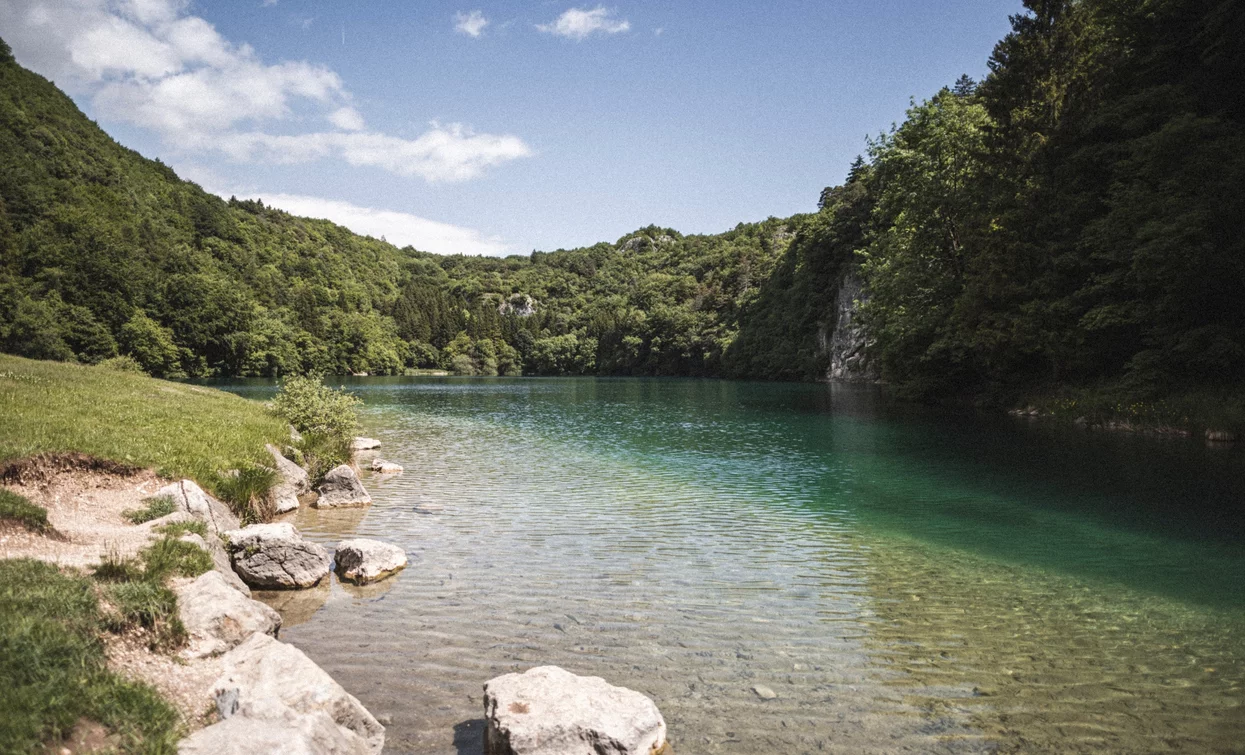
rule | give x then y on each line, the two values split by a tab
503	127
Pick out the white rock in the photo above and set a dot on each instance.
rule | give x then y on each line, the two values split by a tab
364	444
765	693
292	482
190	497
550	711
362	561
292	733
276	556
271	677
385	467
218	617
341	489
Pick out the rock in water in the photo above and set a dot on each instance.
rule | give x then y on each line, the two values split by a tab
276	556
190	497
364	444
341	488
550	711
385	467
292	482
362	561
765	693
273	679
218	617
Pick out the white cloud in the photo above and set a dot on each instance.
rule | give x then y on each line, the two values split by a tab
398	228
472	24
347	119
581	23
148	63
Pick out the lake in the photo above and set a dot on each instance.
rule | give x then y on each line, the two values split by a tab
902	578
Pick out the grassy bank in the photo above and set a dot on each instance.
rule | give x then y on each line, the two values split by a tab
179	430
1192	413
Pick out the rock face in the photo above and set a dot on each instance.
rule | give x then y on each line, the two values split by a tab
220	561
364	444
292	733
341	488
362	561
190	497
521	305
268	681
385	467
550	711
848	343
218	617
276	556
293	482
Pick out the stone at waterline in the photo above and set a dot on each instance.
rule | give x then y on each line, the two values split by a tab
188	496
385	467
292	481
550	711
341	488
272	679
364	444
276	556
218	617
362	561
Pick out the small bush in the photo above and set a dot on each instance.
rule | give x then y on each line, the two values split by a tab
249	492
125	363
321	452
177	529
15	508
147	605
155	508
312	407
115	568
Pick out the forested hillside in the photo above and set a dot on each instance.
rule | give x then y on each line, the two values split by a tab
1074	220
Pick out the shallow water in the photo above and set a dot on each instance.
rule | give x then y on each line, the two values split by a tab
905	581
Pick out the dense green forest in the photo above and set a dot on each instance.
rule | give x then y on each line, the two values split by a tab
1074	219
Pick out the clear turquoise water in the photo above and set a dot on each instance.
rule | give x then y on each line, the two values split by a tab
902	578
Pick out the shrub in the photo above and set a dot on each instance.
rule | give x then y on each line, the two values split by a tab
312	407
124	363
248	491
323	451
15	508
155	508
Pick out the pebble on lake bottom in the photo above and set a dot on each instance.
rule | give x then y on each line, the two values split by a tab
765	693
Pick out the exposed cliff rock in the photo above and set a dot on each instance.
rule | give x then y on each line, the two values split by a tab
847	342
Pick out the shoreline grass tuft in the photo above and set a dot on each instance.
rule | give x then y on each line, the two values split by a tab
15	508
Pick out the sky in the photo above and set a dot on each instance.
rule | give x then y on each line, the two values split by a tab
506	127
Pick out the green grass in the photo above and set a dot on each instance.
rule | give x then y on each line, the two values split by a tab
179	430
53	671
168	557
321	452
155	508
177	529
15	508
148	605
248	491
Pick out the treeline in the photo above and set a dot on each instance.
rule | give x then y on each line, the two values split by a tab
1075	219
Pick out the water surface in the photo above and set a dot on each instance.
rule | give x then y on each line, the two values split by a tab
903	580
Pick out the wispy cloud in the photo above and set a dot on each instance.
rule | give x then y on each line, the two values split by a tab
472	24
581	23
398	228
149	63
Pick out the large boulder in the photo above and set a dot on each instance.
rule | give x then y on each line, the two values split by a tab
190	497
293	733
276	556
341	488
364	444
292	481
265	679
550	711
218	617
362	561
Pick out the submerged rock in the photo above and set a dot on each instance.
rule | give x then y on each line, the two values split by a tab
218	617
190	497
362	561
385	467
277	684
765	693
1221	436
341	488
364	444
550	711
276	556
